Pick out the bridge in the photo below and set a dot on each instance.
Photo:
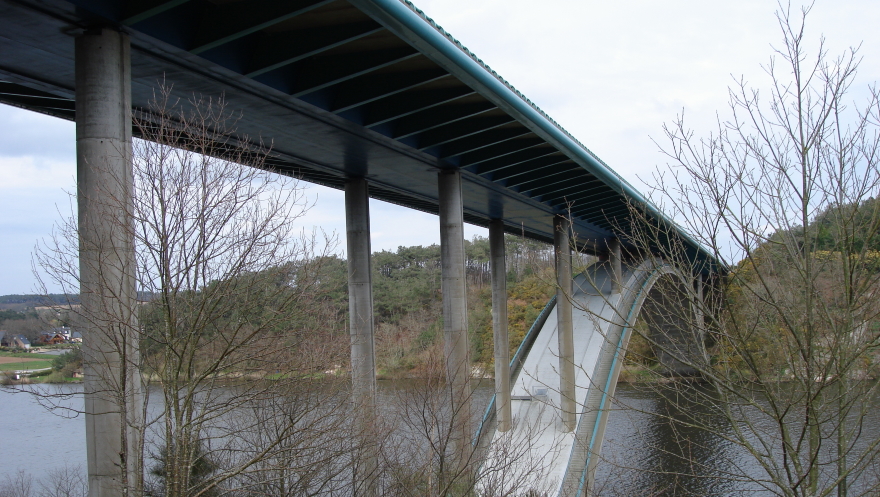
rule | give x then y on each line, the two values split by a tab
372	97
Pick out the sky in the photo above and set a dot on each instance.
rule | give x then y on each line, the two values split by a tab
611	73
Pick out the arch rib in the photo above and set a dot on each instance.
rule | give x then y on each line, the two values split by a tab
602	326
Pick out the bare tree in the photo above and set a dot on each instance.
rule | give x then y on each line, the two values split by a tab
783	194
419	446
21	484
224	282
66	481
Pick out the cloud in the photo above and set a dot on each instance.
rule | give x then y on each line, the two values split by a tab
36	172
27	134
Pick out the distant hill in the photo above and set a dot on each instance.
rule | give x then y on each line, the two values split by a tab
32	300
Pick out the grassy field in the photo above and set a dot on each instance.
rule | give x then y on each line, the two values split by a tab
13	362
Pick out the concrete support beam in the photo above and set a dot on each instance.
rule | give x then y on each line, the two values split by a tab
498	268
112	389
616	265
455	320
360	308
565	333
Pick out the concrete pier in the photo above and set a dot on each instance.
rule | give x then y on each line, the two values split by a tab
498	268
455	320
360	308
565	333
616	264
112	389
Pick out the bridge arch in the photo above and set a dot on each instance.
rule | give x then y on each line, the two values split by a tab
605	315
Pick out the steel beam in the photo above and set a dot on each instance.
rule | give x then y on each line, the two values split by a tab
278	50
504	162
435	118
483	140
456	131
230	21
372	87
405	104
529	168
504	149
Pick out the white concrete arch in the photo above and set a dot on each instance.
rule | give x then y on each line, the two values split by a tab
602	321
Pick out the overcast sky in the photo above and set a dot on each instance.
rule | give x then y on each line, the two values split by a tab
611	73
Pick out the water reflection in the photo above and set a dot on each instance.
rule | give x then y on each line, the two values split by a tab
644	453
668	441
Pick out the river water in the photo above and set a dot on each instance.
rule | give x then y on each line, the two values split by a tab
640	453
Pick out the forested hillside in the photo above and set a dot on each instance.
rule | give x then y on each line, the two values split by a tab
407	306
407	300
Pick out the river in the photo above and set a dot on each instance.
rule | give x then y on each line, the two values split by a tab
640	452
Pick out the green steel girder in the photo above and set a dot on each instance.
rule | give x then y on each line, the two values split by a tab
270	52
549	172
549	179
499	151
424	121
228	22
518	158
594	199
484	139
600	192
375	86
594	211
551	193
448	134
139	10
530	168
315	73
585	202
408	103
599	215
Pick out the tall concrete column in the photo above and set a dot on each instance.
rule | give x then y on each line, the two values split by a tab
455	321
360	309
112	389
498	268
565	333
616	266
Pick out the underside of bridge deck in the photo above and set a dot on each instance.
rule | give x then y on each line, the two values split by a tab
340	88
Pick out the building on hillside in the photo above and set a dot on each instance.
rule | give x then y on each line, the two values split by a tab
50	338
14	341
55	336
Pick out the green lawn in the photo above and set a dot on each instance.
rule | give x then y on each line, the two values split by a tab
35	364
